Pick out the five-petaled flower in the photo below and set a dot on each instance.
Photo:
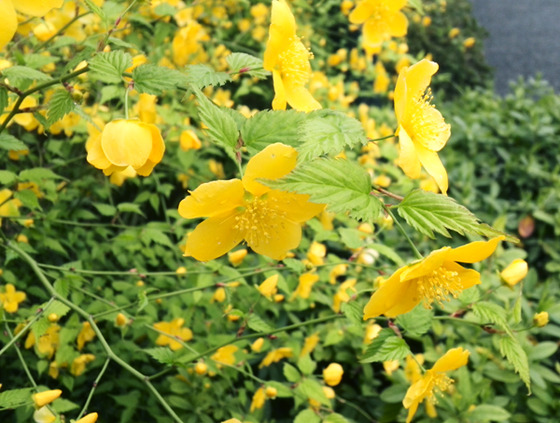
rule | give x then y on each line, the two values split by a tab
435	378
434	278
422	130
11	298
288	60
174	331
268	220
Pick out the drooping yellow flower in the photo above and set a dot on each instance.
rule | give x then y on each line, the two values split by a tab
257	345
269	287
382	19
86	334
79	364
46	397
236	258
332	374
306	282
11	298
225	355
288	60
258	399
175	330
421	129
8	18
268	220
434	278
515	272
309	344
88	418
435	378
275	356
342	295
124	143
189	140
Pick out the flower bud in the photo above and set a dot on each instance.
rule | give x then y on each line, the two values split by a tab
271	392
515	272
333	374
200	368
46	397
89	418
540	319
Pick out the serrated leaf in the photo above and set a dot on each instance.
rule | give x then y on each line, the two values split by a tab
9	142
109	67
200	76
61	103
329	132
62	405
257	324
291	373
428	212
163	355
247	64
387	346
282	390
513	352
105	209
492	313
222	128
37	174
270	126
28	198
154	79
488	413
296	265
7	177
307	416
96	9
129	208
310	388
157	236
24	72
340	184
306	365
353	312
417	321
15	398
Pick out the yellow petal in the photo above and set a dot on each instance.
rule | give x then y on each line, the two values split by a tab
213	238
300	98
96	157
410	298
282	18
275	161
453	359
395	5
8	22
432	132
212	199
433	262
433	165
373	33
284	236
36	7
418	390
158	146
89	418
398	24
475	251
4	195
466	278
408	159
362	12
296	207
127	142
418	76
279	101
386	296
411	411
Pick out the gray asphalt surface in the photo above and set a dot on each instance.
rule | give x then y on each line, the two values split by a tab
524	39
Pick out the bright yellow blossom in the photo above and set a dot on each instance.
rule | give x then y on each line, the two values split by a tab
275	356
11	298
309	344
79	364
268	220
421	129
225	355
258	399
288	60
342	295
515	272
86	334
332	374
46	397
88	418
269	287
189	140
540	319
236	257
306	282
434	278
175	330
435	378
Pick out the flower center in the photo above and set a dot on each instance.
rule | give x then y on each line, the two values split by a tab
440	383
294	62
259	220
427	124
438	286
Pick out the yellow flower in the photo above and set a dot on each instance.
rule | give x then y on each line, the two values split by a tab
48	342
189	140
515	272
541	319
382	19
390	366
372	332
86	334
200	368
268	220
220	295
53	370
434	378
382	79
187	44
8	17
181	270
275	356
175	330
342	295
306	282
469	42
434	278
225	355
338	270
121	320
236	258
257	345
79	364
11	298
412	367
288	60
123	143
310	344
333	374
88	418
317	253
421	129
232	421
258	399
271	392
453	32
46	397
269	287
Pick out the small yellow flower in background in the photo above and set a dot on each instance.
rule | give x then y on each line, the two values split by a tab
336	271
434	278
541	319
22	238
200	368
146	108
121	320
10	298
346	6
422	130
515	272
86	334
329	392
124	143
275	356
236	210
53	317
333	374
53	370
78	366
187	44
88	418
44	415
288	60
381	19
235	258
8	207
257	345
390	366
225	355
317	253
453	32
181	270
271	392
469	42
342	295
189	140
372	332
48	342
118	177
412	371
269	287
258	399
46	397
219	295
175	330
435	378
309	344
382	80
426	21
232	421
306	282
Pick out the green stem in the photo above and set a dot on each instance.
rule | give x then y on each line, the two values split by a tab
93	388
21	359
403	232
174	337
382	138
60	31
357	408
243	372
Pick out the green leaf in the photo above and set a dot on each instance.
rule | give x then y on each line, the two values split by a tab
61	103
37	174
3	99
200	76
28	198
271	126
427	213
163	355
282	390
295	265
416	322
387	252
109	67
492	313
129	208
336	418
310	388
96	9
306	365
291	373
15	398
343	185
307	416
156	236
9	142
154	79
222	128
511	349
542	350
387	346
7	177
353	311
246	64
488	413
329	132
62	405
105	209
23	72
257	324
